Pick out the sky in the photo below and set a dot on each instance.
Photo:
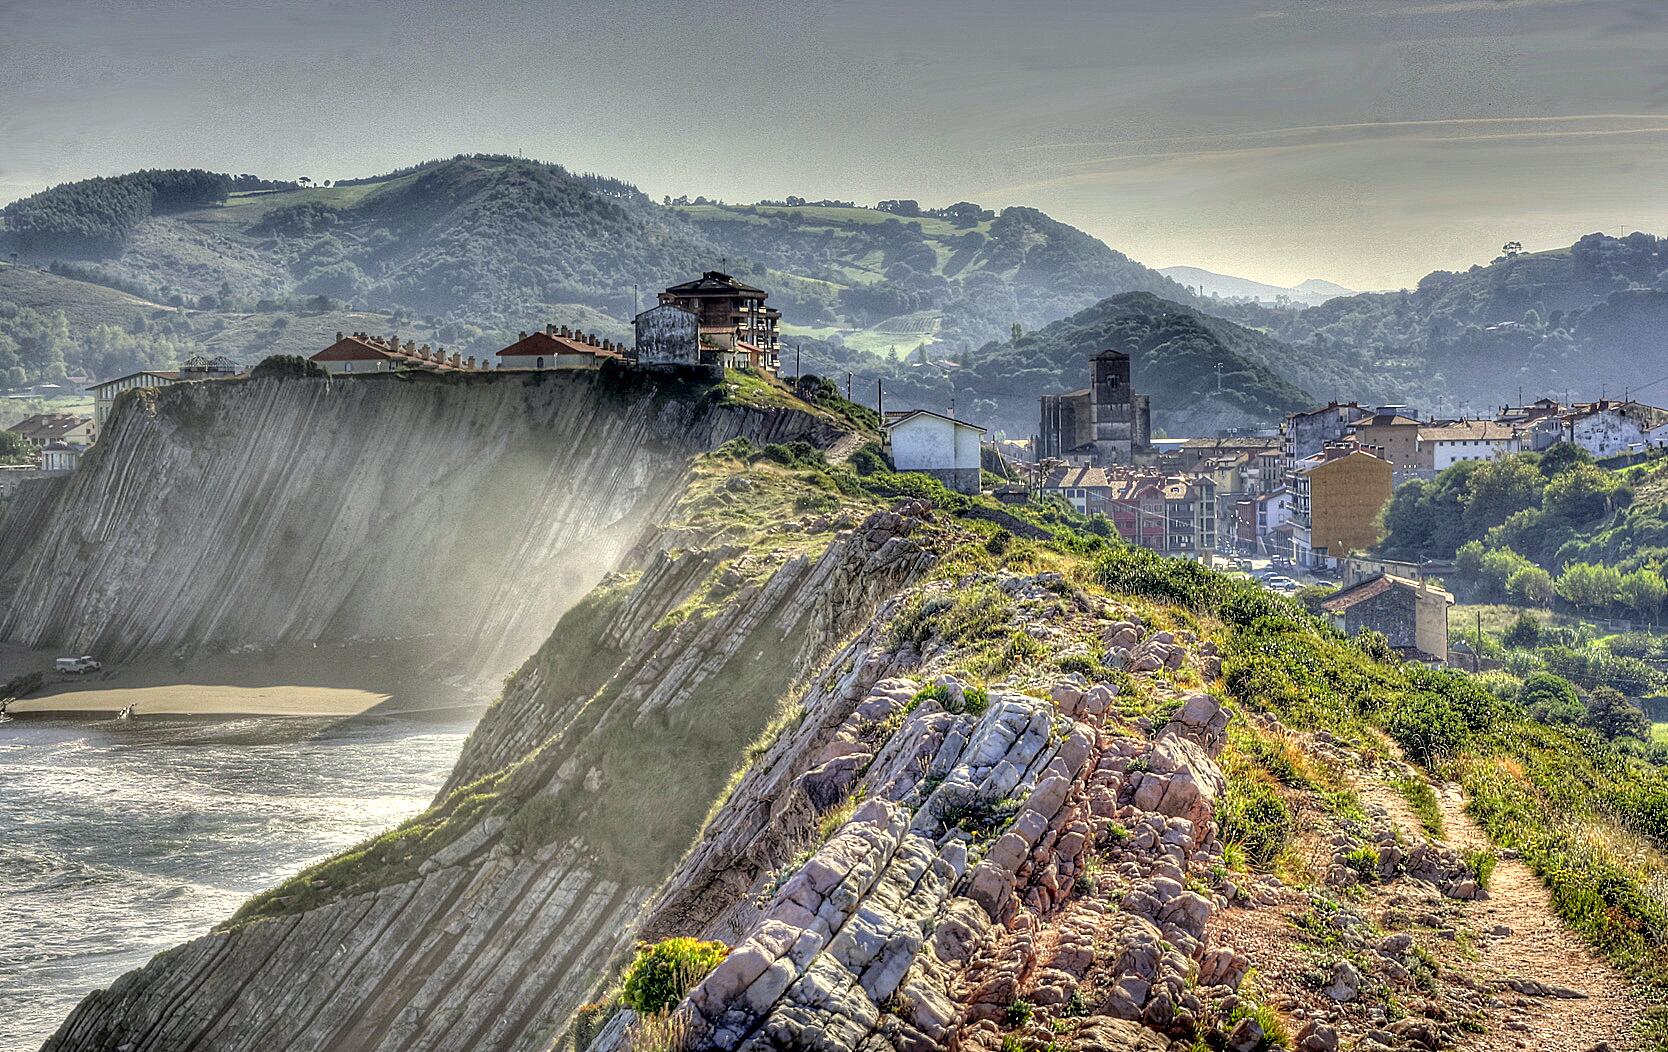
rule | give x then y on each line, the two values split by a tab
1366	142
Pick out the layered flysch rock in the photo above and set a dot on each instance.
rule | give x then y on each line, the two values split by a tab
499	933
470	511
1035	864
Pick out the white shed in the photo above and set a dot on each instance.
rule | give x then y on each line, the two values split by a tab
937	445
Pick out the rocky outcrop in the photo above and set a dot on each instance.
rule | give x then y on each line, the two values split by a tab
467	510
1010	861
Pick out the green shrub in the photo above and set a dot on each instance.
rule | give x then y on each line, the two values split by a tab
1481	863
974	811
931	692
286	367
663	972
739	449
975	613
1427	728
21	686
1364	861
998	542
1086	665
1551	698
1019	1012
1253	816
1422	798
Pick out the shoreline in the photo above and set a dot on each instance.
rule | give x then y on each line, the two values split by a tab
199	699
338	681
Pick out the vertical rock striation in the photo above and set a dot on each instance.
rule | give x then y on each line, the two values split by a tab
468	510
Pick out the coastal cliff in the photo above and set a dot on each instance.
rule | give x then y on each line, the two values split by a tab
469	511
926	781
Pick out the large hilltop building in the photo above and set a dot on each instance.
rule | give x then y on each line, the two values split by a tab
733	325
1102	425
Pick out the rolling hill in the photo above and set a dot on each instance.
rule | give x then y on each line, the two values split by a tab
1205	283
939	303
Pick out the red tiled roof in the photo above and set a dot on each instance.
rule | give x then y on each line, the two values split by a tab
354	348
544	344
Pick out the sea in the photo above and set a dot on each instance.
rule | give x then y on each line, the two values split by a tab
121	838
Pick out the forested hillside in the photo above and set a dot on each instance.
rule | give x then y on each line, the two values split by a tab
958	302
1580	319
1534	528
476	248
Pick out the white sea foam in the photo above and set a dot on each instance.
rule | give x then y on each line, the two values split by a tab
119	839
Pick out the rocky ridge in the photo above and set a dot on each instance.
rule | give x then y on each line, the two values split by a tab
921	864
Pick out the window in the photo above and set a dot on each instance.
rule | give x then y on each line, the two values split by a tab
347	367
538	363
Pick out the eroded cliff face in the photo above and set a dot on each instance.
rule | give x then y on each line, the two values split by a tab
484	923
470	511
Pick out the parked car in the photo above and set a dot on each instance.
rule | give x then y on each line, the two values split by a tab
77	665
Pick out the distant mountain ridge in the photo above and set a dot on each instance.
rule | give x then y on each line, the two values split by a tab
471	249
1209	284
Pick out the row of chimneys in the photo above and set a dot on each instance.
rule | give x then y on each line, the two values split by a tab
435	356
579	336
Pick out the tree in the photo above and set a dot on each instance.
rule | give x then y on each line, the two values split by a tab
1531	586
1551	699
1589	585
1643	591
1018	332
1612	715
1496	489
1468	561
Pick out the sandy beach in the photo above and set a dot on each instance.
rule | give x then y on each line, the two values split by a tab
312	681
201	699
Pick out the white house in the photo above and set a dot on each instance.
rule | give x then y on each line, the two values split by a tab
936	445
1444	445
1608	429
61	456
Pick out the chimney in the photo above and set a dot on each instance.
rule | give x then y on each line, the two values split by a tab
523	335
454	359
565	331
338	337
550	330
469	362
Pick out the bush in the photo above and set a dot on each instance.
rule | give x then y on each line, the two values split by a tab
286	367
1363	860
1551	699
973	810
663	972
1427	728
1481	862
1524	632
1612	715
21	686
1253	816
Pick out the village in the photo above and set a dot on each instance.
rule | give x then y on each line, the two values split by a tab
1297	503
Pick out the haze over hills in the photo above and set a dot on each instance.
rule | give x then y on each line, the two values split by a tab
1210	285
465	252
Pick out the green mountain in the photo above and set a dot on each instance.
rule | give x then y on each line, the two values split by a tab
480	246
1590	317
1202	373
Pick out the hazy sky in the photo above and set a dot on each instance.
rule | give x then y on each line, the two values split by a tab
1363	141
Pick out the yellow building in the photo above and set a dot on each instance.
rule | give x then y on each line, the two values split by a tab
1337	495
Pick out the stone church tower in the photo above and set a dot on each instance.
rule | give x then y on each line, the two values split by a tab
1123	419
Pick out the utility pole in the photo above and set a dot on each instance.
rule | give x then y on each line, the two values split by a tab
1218	377
848	387
880	400
797	370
